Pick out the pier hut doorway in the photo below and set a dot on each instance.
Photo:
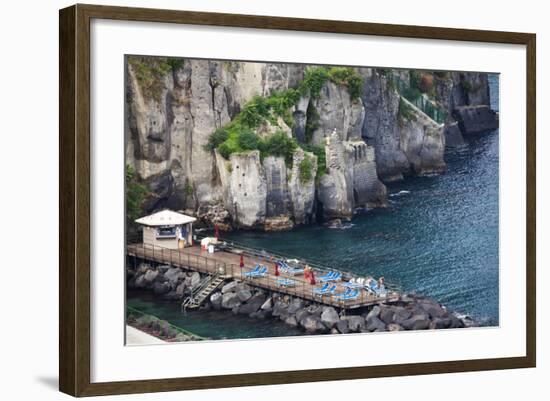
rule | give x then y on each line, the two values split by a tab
167	229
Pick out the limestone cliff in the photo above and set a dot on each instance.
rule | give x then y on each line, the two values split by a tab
466	100
406	141
346	142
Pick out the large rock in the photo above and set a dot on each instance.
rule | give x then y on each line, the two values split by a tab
401	314
330	317
253	305
312	324
456	323
342	326
375	324
355	323
475	119
433	308
229	287
374	312
394	327
141	282
244	295
180	290
416	322
174	274
301	314
295	305
230	300
291	321
280	308
151	276
386	315
164	268
216	300
453	136
441	323
143	267
193	281
161	288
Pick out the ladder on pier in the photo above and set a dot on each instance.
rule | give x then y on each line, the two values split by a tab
207	287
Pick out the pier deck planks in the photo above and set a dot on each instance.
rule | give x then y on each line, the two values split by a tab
196	259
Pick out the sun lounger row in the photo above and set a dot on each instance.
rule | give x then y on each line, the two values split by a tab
330	276
284	267
286	282
330	289
258	271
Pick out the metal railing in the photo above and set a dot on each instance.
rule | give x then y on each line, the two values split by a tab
420	100
238	247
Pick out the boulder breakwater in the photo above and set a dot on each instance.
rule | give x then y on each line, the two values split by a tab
410	312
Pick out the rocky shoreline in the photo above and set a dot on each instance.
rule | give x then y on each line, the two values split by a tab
159	328
411	312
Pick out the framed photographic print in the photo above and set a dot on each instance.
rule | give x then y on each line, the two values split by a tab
250	200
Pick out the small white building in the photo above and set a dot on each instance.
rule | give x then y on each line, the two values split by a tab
167	229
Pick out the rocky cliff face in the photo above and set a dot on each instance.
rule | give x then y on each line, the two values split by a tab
466	100
404	144
173	108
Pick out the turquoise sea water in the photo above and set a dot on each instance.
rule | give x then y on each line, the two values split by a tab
438	237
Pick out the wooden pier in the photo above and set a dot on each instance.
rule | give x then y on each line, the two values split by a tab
226	264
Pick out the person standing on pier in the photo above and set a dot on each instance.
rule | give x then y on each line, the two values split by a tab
312	277
307	273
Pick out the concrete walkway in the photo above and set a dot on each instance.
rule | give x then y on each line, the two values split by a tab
138	337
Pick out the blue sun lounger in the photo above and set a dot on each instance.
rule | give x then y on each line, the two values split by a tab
349	284
258	271
331	276
326	289
253	271
287	269
286	282
347	295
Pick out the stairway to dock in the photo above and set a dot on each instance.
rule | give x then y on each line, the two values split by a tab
207	287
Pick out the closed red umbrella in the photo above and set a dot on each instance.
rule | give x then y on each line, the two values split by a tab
277	269
217	231
241	264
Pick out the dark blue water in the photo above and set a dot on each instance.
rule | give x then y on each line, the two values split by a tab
438	237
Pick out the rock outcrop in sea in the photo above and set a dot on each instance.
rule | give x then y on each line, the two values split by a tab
351	140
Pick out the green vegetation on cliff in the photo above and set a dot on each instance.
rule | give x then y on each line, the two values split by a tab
150	73
316	77
241	134
405	112
318	151
135	194
305	167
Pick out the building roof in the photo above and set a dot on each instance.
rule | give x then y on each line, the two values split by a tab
165	218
